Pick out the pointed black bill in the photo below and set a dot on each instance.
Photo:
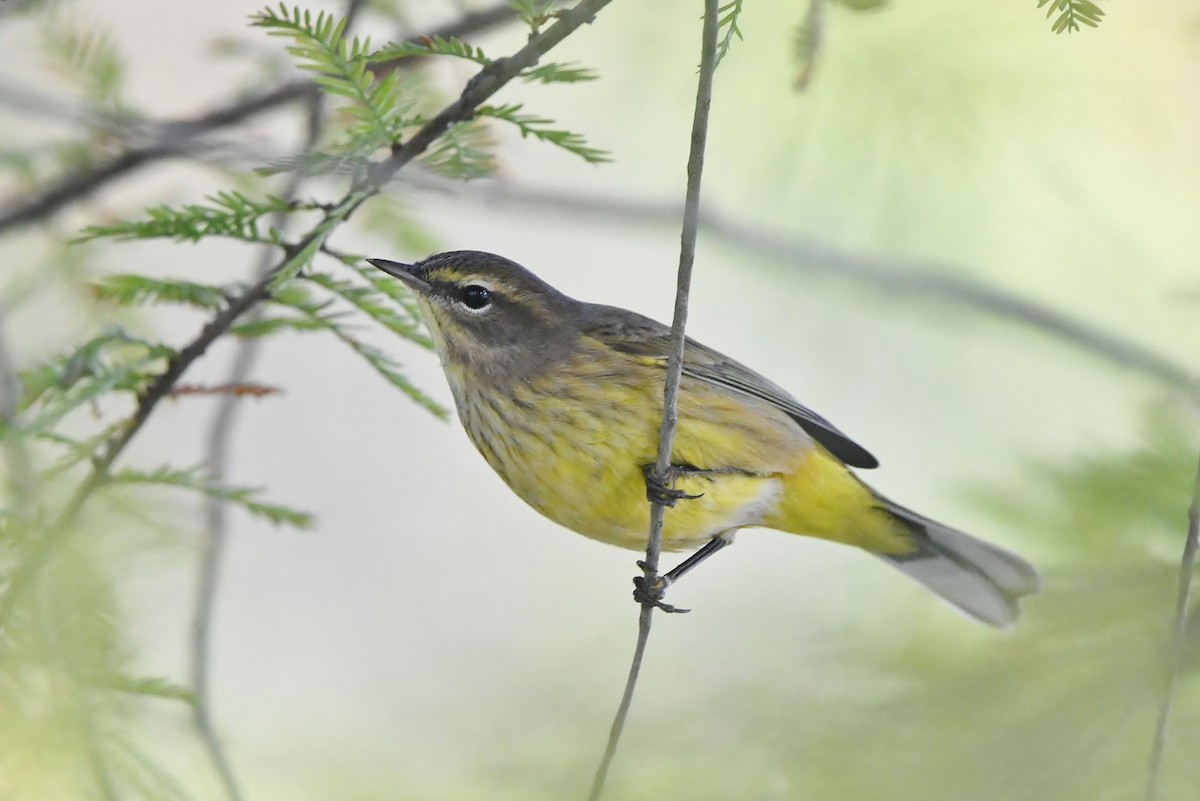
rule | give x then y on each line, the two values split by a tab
402	271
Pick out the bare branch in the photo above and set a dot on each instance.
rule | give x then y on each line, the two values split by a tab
177	138
895	276
1187	568
662	465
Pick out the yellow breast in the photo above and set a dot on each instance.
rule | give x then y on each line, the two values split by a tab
574	450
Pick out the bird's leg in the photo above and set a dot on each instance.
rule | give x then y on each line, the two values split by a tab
712	546
654	595
660	491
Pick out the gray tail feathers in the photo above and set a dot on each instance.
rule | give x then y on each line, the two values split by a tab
984	581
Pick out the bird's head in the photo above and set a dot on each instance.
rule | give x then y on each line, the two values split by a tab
488	314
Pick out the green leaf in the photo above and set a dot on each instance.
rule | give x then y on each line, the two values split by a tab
1072	14
195	480
533	13
111	361
727	27
391	371
317	312
350	161
265	326
85	55
430	46
228	214
377	305
398	293
151	686
560	73
459	153
529	125
378	107
77	450
139	290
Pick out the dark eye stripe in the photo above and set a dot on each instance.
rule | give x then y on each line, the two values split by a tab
476	297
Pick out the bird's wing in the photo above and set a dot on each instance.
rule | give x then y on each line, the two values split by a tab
633	334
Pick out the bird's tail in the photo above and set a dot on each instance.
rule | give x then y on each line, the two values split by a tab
984	581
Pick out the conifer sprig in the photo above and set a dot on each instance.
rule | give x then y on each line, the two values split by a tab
539	128
1072	14
231	215
196	480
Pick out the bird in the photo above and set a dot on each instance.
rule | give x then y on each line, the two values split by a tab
564	399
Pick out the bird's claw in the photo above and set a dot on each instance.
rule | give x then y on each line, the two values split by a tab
658	492
653	595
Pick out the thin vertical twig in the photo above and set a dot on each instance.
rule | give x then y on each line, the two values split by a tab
662	465
1183	600
216	525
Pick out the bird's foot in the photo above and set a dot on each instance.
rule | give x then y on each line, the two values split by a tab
659	491
652	593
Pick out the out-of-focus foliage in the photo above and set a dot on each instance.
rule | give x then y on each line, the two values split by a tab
70	724
1072	14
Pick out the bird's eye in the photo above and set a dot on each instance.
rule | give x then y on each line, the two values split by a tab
476	297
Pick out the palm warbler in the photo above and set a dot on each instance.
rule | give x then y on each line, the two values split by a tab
564	400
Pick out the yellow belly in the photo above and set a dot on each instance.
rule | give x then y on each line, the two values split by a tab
578	460
575	453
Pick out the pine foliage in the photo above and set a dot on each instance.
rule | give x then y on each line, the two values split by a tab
555	72
322	314
431	46
232	215
1072	14
727	27
140	290
195	480
531	125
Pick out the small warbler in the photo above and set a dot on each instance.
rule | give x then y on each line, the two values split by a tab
564	400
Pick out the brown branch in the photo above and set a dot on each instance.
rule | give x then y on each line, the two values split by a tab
1187	567
181	137
228	389
662	465
485	84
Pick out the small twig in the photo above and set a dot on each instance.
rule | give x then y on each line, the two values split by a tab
662	465
182	137
219	440
1187	567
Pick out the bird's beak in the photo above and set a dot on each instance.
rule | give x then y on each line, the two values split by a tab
403	272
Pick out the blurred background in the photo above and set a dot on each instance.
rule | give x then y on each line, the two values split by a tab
969	242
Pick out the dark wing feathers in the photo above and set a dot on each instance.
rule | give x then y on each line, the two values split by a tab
631	333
